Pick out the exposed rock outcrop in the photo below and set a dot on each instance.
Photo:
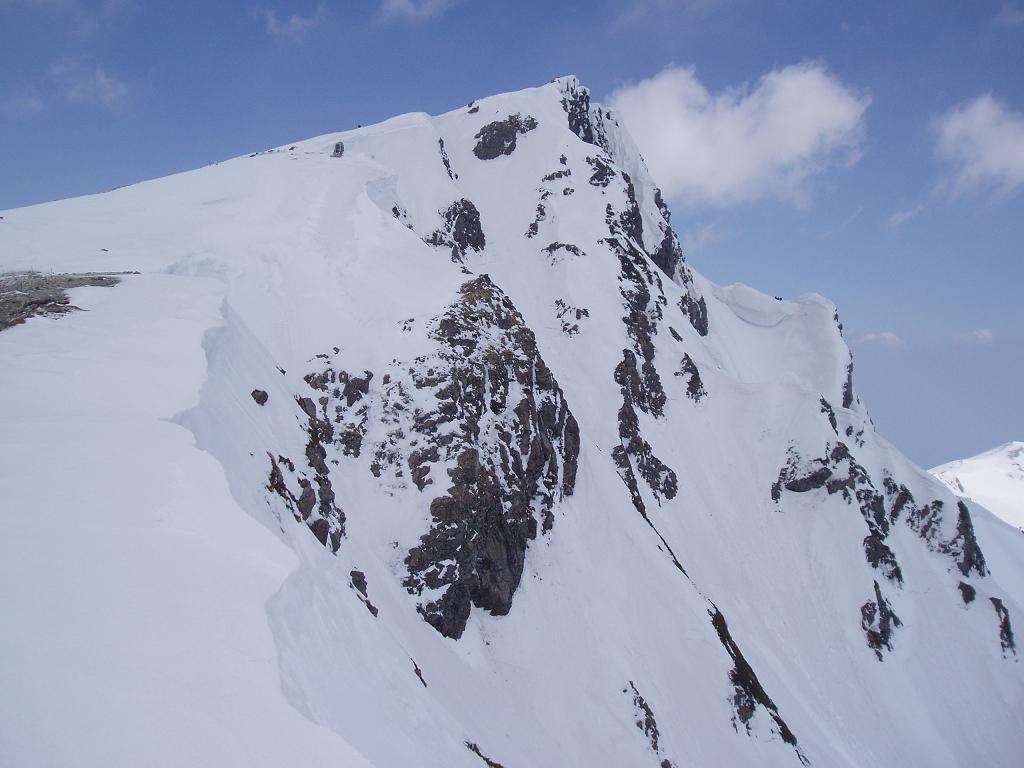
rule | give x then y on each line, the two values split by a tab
506	478
461	230
499	138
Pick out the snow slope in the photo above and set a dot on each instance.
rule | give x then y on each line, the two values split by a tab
994	479
524	487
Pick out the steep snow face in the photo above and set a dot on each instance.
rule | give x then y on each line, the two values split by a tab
994	479
421	444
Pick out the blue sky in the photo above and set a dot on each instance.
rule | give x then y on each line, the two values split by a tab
875	151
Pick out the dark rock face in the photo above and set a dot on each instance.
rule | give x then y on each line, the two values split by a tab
662	206
472	747
815	479
669	255
401	215
634	455
418	671
553	249
826	408
1006	640
344	390
500	429
927	522
461	230
646	722
967	592
358	582
881	557
800	477
645	718
541	215
576	103
260	396
603	171
838	473
503	479
964	546
499	138
638	377
566	314
694	386
628	222
848	384
748	693
643	313
328	524
878	621
314	507
697	311
561	174
339	149
447	163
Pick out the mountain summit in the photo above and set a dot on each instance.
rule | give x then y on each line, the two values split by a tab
421	444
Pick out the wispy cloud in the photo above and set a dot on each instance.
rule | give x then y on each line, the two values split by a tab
694	241
1009	15
25	104
765	140
981	336
294	27
899	218
639	11
81	17
886	339
79	84
414	10
982	141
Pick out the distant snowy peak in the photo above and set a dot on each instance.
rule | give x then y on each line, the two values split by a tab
994	479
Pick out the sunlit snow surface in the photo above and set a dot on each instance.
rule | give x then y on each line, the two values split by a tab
994	479
162	608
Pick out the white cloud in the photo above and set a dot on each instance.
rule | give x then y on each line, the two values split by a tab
746	143
88	85
1009	16
980	336
884	338
414	10
295	26
983	142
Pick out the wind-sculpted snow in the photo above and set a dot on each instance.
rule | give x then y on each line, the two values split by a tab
422	444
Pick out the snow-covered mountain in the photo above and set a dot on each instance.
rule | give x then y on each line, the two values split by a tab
994	479
421	444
